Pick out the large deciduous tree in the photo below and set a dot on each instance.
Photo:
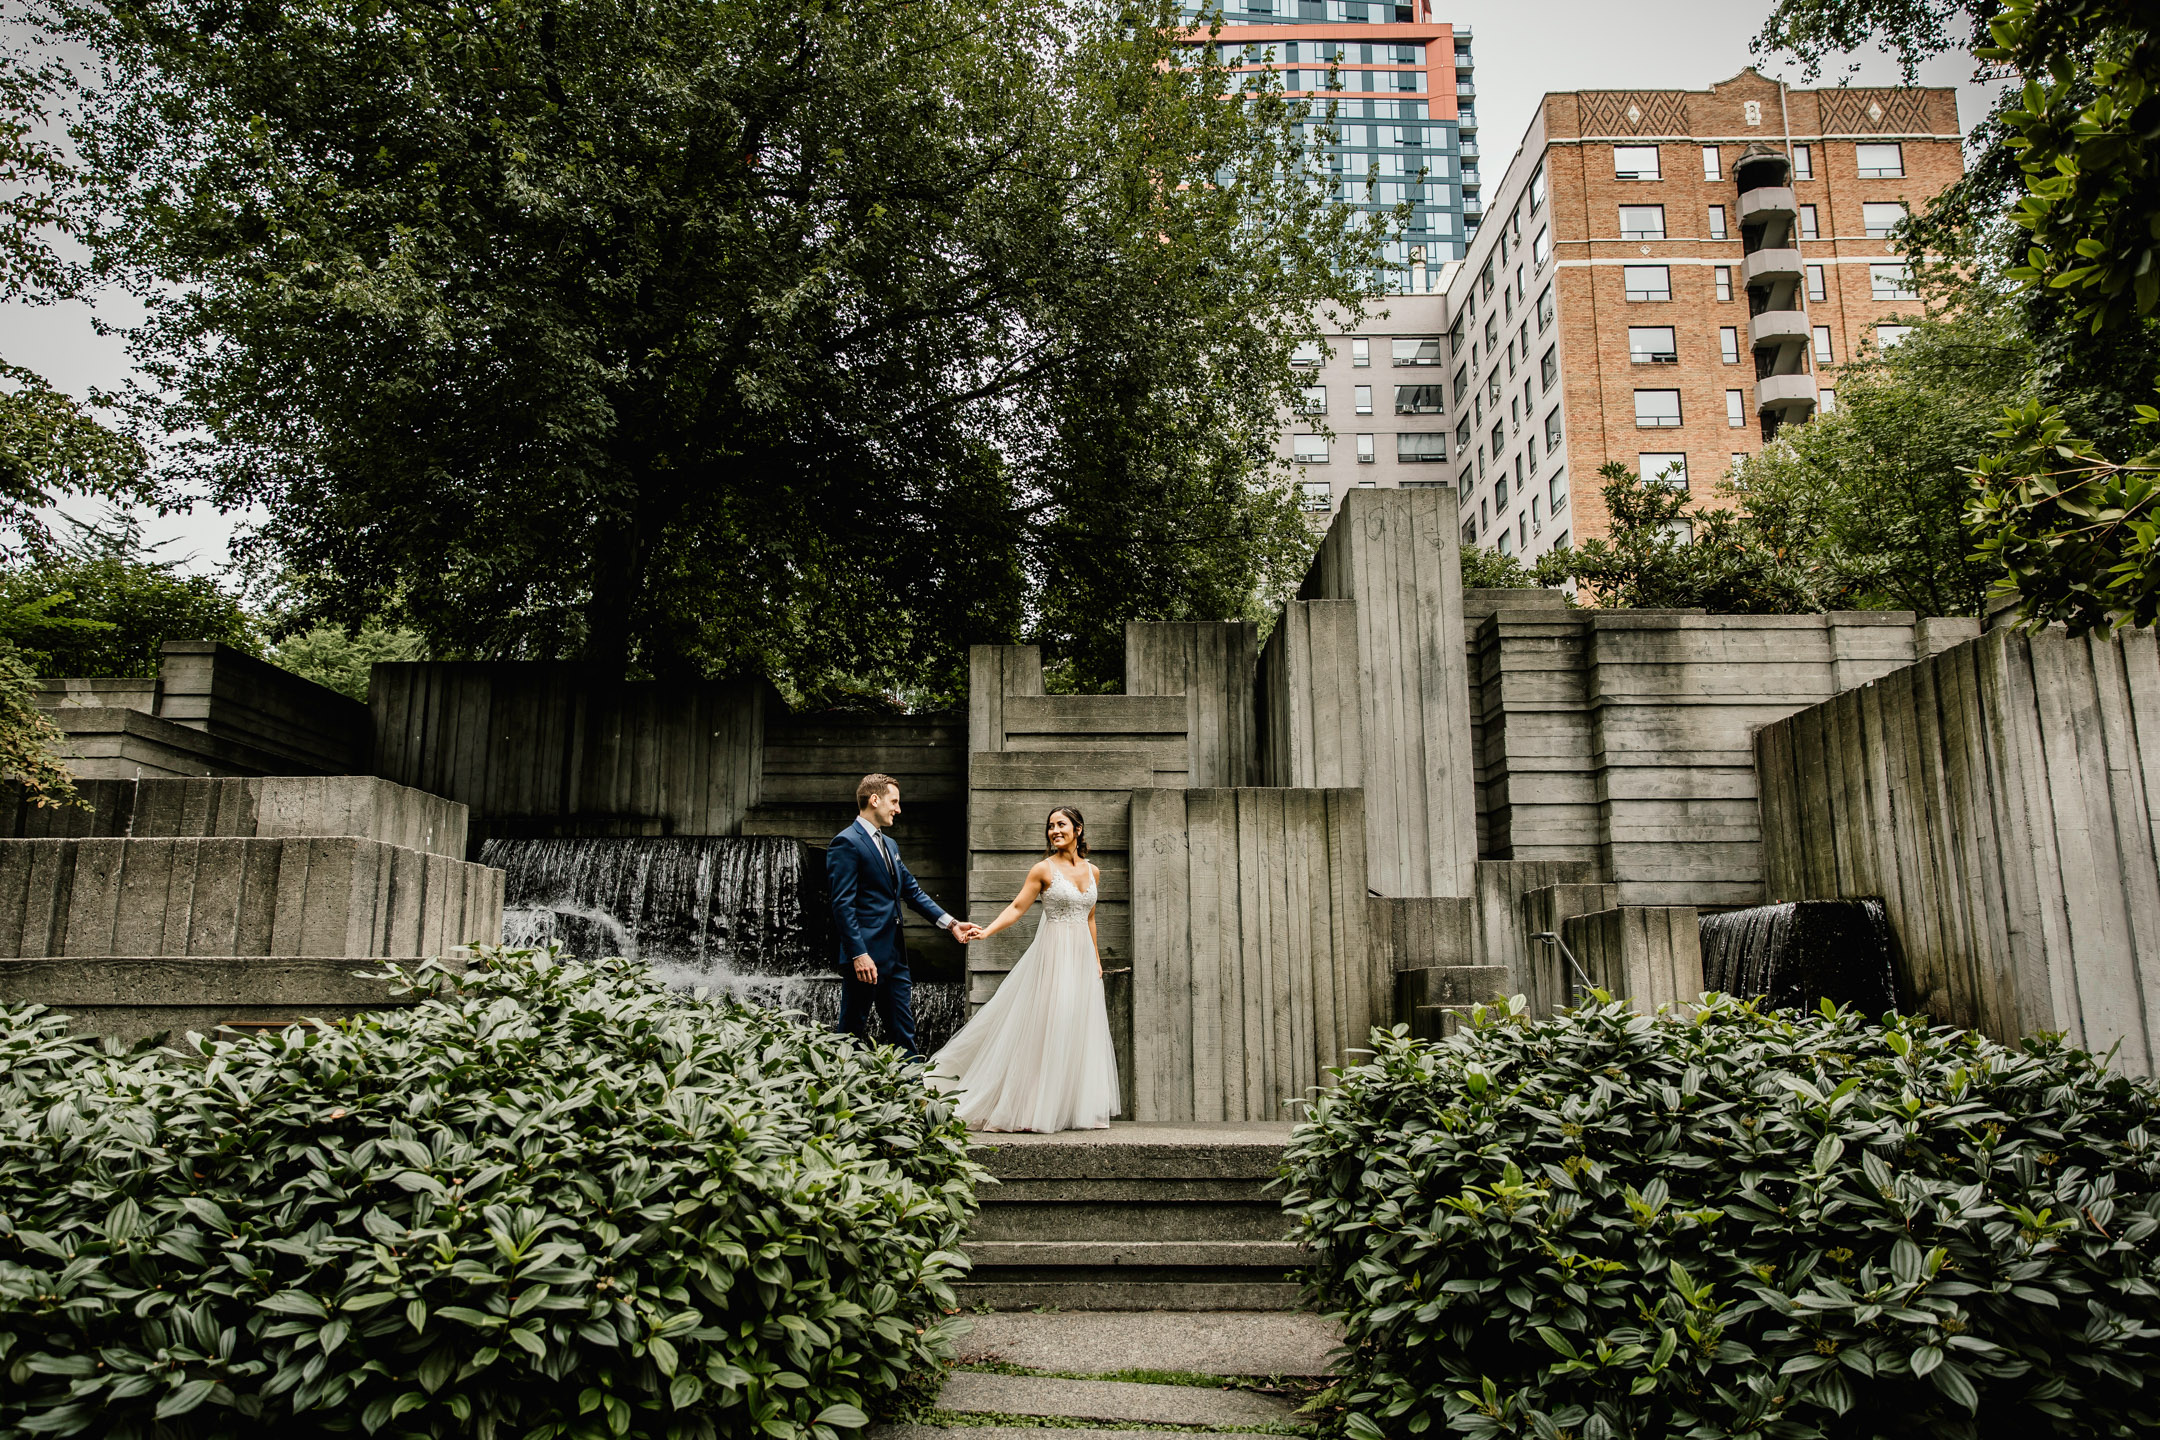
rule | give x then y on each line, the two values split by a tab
808	336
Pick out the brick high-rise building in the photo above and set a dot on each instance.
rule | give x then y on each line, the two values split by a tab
1666	276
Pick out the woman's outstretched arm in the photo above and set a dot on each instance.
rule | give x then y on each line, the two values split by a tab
1030	889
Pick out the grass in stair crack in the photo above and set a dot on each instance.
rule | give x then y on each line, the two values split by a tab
1297	1388
983	1419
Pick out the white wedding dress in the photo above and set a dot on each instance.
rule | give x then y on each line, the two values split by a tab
1038	1057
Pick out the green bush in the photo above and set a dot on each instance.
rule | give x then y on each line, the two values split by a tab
552	1200
1734	1224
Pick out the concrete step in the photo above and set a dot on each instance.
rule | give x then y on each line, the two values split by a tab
1036	1254
1136	1217
1218	1342
1036	1432
973	1392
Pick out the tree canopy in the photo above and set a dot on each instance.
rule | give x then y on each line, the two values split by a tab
698	335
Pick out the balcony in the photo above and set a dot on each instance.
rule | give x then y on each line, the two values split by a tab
1464	90
1766	203
1775	329
1468	150
1472	205
1791	396
1467	119
1766	266
1463	63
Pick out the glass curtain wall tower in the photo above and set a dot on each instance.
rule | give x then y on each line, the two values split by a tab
1406	110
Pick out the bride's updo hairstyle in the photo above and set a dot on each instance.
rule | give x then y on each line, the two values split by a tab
1079	830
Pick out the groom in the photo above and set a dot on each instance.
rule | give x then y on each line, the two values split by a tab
868	883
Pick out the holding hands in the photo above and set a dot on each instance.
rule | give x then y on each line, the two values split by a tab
964	931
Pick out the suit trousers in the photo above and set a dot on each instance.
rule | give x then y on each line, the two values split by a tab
893	997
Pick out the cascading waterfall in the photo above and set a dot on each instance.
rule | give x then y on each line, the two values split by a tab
1802	952
746	915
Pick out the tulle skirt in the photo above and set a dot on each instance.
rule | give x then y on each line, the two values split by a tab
1038	1057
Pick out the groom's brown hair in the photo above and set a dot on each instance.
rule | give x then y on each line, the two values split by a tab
872	786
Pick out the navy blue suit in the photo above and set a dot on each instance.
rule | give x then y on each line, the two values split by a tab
866	897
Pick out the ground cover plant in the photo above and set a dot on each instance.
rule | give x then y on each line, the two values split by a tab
1734	1223
552	1200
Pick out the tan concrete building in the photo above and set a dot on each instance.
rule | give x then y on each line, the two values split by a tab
1665	277
1374	409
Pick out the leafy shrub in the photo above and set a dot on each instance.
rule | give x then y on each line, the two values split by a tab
553	1200
1735	1223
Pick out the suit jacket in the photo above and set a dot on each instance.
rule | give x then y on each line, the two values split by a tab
866	900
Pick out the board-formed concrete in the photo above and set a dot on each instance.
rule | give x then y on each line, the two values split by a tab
2002	798
266	807
1648	954
1253	967
972	1391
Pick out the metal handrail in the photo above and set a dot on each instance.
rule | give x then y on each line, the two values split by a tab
1582	980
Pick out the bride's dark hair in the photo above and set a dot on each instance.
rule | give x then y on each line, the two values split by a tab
1079	829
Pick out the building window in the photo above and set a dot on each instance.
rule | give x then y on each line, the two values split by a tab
1642	222
1729	344
1462	383
1736	408
1647	282
1826	399
1889	335
1306	354
1309	449
1499	438
1462	434
1808	228
1723	276
1657	409
1418	400
1316	495
1365	452
1469	531
1421	449
1803	162
1664	467
1492	389
1817	287
1361	399
1891	282
1544	309
1541	248
1312	400
1549	367
1882	217
1717	222
1711	169
1499	494
1537	187
1822	346
1652	345
1537	514
1417	350
1507	542
1552	429
1360	353
1635	162
1880	162
1556	490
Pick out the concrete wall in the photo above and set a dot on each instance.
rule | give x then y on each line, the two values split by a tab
810	767
1624	737
268	807
210	710
539	750
1213	666
1032	752
2003	799
1648	954
1253	967
1395	553
319	895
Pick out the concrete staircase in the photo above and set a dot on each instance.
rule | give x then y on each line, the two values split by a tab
1155	1216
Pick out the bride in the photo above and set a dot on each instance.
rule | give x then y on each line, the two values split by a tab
1038	1056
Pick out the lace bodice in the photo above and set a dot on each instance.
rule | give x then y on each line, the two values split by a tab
1064	902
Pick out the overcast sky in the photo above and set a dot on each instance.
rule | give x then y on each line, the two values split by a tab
1522	50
